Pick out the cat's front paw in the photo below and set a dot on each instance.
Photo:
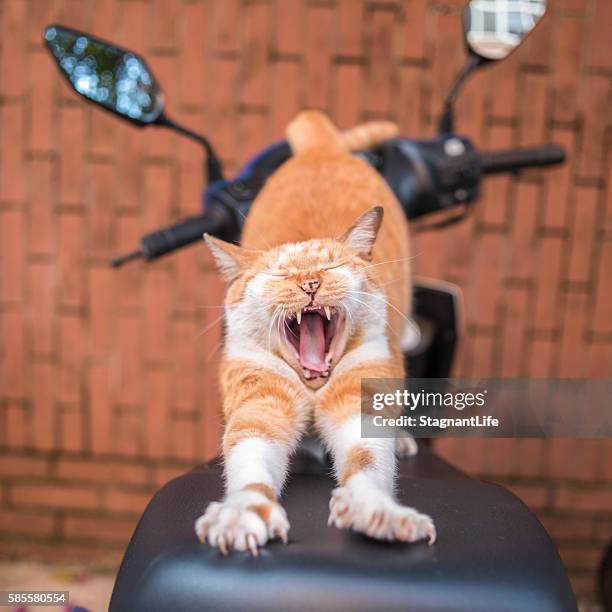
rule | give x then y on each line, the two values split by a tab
242	523
379	516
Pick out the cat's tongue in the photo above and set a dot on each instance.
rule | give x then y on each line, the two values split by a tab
312	343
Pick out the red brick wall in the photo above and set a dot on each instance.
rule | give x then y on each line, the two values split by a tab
107	378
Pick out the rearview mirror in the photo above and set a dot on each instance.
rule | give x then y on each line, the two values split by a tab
494	28
116	79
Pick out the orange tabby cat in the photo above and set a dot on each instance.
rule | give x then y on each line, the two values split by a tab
312	308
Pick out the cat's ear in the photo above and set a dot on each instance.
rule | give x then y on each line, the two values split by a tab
362	234
231	259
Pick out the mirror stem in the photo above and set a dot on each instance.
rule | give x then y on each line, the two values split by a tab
213	163
446	124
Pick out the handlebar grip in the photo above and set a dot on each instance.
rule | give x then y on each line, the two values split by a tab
515	159
183	233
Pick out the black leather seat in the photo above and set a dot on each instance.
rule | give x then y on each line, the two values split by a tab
492	554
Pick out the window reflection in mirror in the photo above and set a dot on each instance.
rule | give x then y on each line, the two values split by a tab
494	28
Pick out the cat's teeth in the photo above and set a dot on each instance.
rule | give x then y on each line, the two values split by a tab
327	312
298	316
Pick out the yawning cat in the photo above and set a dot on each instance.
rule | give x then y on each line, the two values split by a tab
312	308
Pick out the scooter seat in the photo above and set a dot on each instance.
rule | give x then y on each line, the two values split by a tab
492	554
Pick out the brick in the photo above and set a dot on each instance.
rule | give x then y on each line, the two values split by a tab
11	255
12	56
98	529
380	44
157	297
287	35
493	210
548	276
71	349
565	528
164	24
101	211
131	502
568	35
130	359
504	82
583	233
572	363
347	108
43	395
523	240
225	32
416	23
576	459
13	368
483	350
17	421
100	403
129	433
129	172
598	41
530	457
540	358
102	130
285	96
583	557
71	144
599	359
184	377
255	71
184	439
534	496
516	305
253	135
42	219
194	60
72	429
593	103
42	86
134	30
101	471
534	104
350	21
158	182
410	101
485	291
592	499
17	522
130	280
558	183
71	238
12	171
157	413
447	55
602	321
49	495
22	465
165	473
319	41
222	118
101	302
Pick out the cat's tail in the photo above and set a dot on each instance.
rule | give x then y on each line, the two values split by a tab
312	129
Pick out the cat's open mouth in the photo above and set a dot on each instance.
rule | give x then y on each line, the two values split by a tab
314	333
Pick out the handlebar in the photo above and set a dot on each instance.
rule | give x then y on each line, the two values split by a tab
426	176
515	159
214	222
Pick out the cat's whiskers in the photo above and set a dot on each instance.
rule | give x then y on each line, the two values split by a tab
390	261
379	297
209	326
373	310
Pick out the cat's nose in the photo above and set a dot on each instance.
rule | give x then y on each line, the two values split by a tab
310	285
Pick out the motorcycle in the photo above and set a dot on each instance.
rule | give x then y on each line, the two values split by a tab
436	178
